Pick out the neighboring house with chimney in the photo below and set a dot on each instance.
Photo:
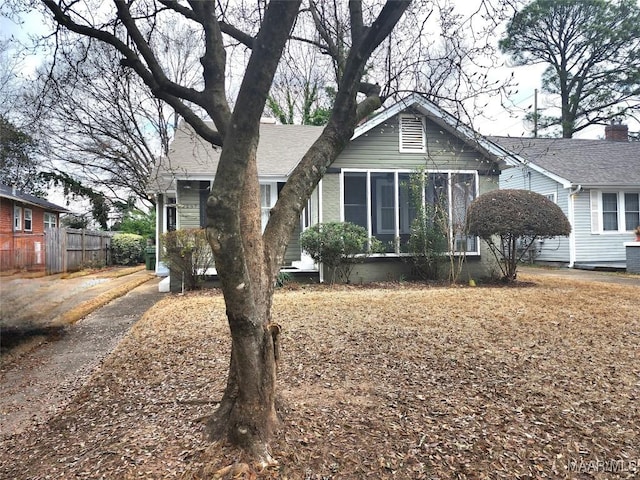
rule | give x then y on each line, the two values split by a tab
24	219
597	185
366	185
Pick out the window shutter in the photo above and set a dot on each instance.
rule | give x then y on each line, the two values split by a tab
412	134
596	212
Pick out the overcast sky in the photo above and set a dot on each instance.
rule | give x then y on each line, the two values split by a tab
496	121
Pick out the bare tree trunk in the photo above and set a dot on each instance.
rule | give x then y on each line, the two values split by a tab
247	415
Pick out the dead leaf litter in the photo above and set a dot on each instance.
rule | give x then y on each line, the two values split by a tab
406	383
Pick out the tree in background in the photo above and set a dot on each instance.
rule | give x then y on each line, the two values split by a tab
136	221
592	49
18	166
509	221
98	122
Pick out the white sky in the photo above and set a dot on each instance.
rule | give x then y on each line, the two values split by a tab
496	121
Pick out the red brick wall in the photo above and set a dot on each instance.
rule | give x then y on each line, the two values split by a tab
6	215
37	217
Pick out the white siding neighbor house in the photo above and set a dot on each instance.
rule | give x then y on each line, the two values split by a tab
597	185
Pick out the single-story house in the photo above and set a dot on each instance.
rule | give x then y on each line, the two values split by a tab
23	220
597	185
366	185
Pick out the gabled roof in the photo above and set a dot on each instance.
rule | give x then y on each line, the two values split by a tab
447	122
280	149
18	196
571	161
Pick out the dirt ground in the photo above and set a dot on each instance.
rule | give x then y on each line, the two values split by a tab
540	381
34	302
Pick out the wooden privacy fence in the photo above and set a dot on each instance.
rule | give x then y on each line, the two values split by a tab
69	249
57	250
22	251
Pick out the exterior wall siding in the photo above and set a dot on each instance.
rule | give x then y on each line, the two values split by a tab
595	247
188	205
555	249
379	148
331	198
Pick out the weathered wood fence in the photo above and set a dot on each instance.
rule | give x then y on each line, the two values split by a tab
69	249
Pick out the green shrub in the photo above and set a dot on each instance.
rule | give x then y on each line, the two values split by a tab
127	249
187	254
511	220
339	246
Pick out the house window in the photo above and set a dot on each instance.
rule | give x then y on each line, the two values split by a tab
614	212
28	220
17	218
610	212
50	220
171	215
412	134
551	197
268	197
382	203
631	211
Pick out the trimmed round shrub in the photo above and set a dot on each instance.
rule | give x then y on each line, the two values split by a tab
511	220
128	249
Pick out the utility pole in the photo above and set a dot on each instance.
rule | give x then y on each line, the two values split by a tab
535	113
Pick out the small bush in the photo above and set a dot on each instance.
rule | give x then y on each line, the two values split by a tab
127	249
187	254
511	220
339	246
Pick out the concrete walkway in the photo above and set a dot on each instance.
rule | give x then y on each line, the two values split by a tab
586	275
42	381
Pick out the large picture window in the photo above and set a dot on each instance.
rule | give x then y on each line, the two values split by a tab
381	202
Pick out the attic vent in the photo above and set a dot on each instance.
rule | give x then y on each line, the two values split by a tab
412	134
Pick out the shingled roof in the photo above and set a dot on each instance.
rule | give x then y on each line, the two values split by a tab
597	163
9	192
280	149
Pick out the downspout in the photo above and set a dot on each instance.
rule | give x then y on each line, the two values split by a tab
572	236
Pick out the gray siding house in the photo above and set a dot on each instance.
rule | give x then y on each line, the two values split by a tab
366	185
597	185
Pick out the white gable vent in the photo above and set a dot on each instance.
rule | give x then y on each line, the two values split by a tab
412	134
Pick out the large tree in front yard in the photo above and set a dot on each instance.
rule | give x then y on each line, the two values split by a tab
247	260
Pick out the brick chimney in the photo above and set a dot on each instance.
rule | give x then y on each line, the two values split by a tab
616	131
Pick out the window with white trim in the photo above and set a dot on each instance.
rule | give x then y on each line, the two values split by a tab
50	220
380	201
17	218
28	220
412	134
268	198
631	211
551	197
614	212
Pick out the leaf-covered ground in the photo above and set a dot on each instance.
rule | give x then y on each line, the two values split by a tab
541	381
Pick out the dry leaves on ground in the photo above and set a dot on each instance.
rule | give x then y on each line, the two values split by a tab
406	383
